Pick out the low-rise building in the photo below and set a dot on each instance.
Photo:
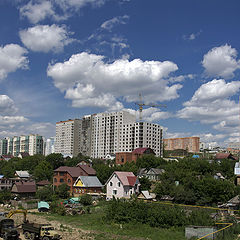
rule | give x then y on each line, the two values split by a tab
69	175
191	144
24	189
124	157
152	173
87	184
122	185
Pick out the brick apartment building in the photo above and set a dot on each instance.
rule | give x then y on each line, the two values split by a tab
123	157
69	175
191	144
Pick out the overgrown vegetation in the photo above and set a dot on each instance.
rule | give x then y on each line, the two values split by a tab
154	215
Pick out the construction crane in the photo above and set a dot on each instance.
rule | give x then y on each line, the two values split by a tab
141	104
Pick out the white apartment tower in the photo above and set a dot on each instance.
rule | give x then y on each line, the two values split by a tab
107	133
141	134
67	137
32	144
106	130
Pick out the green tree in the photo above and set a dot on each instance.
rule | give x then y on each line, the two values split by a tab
55	159
86	199
45	193
43	171
62	191
145	184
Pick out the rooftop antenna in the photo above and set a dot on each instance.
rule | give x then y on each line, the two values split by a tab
141	104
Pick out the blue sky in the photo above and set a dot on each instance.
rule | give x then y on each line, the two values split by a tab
62	59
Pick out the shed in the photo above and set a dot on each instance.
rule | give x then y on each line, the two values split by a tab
43	206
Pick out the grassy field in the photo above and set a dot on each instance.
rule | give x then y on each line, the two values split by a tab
103	230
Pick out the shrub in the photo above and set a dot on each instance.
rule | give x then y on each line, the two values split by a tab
86	200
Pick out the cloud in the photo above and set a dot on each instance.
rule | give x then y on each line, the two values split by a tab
210	104
38	11
7	106
221	62
150	114
88	81
45	38
6	120
26	127
192	36
109	24
12	57
107	42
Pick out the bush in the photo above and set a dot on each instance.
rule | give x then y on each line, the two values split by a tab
57	207
86	200
123	211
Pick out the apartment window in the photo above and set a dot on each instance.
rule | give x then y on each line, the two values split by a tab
61	180
55	180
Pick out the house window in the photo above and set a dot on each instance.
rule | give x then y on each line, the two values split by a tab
69	180
114	192
55	180
61	180
111	183
119	184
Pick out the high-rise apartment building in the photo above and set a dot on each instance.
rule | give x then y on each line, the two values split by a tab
67	137
106	130
85	135
190	144
3	146
141	134
49	146
107	133
32	144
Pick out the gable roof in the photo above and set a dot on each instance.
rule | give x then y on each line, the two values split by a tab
23	174
126	178
139	150
235	200
157	171
7	156
25	187
86	168
225	155
146	194
73	171
87	181
43	183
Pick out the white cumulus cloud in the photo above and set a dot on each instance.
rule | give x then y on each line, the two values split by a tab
12	57
88	81
37	11
221	61
45	38
7	106
211	104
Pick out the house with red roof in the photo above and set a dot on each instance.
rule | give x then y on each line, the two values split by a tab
122	185
123	157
